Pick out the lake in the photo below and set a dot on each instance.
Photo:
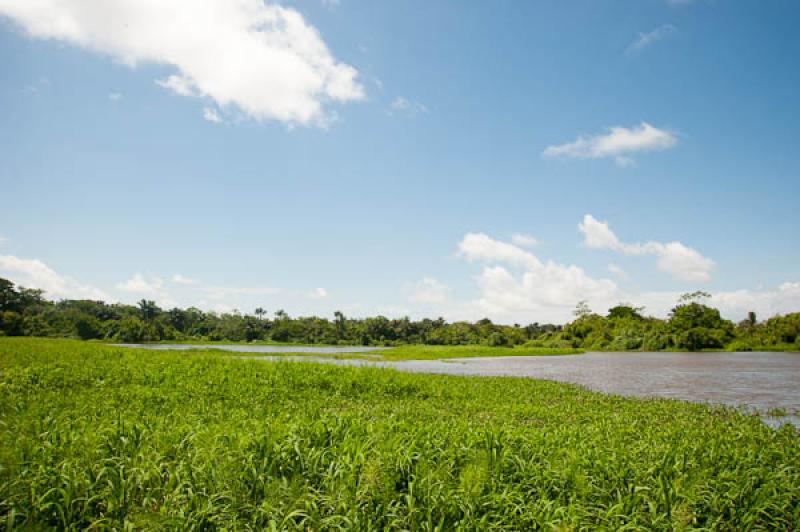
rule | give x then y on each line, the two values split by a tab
755	380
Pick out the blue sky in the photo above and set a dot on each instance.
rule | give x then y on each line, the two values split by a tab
381	157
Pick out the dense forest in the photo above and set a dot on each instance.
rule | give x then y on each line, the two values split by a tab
691	325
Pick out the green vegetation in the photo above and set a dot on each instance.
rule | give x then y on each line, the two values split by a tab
691	326
95	436
435	352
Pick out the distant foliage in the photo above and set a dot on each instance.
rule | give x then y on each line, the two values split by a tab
692	325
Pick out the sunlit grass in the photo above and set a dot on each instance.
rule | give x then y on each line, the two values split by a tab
93	436
434	352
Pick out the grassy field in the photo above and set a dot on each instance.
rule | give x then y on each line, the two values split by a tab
94	436
435	352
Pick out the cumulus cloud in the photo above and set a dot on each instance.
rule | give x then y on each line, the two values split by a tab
33	273
427	291
261	59
674	258
515	282
646	39
524	240
765	303
482	247
620	143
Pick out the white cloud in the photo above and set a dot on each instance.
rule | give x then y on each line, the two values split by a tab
226	292
619	143
138	284
674	258
616	270
408	107
427	291
263	59
318	293
33	273
765	303
481	247
524	240
115	96
180	279
646	39
178	85
210	114
539	290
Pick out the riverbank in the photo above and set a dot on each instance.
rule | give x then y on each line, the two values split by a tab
106	436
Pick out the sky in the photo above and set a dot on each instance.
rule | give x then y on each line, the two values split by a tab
463	159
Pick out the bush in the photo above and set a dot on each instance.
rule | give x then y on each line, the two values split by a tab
498	339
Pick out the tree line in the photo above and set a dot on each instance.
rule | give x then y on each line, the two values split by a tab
691	325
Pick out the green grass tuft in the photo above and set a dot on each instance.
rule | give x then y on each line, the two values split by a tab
101	437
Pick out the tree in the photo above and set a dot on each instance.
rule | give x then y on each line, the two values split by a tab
696	326
260	312
625	311
698	296
9	298
581	309
340	325
148	310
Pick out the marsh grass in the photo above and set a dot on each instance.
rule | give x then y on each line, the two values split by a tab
93	436
436	352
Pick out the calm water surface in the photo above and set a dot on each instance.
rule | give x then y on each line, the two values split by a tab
759	380
253	348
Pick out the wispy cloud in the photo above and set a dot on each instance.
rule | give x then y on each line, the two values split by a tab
646	39
426	291
674	258
616	270
263	59
139	284
115	96
318	293
407	107
620	143
524	240
181	279
211	114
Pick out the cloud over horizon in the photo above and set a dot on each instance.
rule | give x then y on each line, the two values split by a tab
262	60
676	259
515	281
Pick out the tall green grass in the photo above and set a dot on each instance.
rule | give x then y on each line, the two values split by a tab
93	436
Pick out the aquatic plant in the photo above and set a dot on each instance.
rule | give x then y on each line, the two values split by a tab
93	436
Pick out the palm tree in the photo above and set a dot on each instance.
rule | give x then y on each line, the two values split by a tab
148	309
